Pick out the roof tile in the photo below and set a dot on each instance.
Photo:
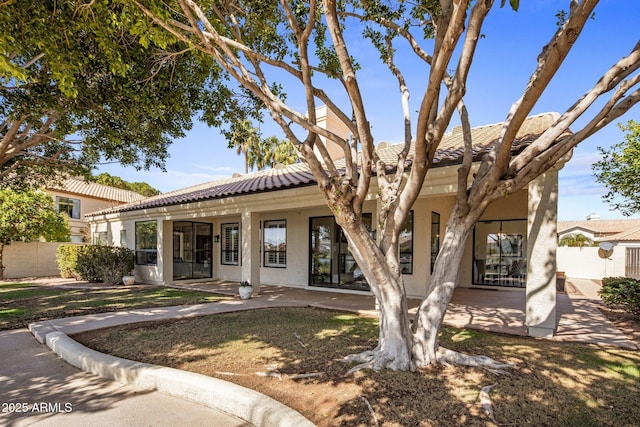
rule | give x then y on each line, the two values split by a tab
98	191
450	152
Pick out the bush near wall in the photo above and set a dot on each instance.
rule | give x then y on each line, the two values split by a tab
95	263
622	291
67	258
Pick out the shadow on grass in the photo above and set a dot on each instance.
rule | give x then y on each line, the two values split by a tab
553	383
21	304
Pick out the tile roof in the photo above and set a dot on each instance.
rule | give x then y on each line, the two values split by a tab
449	152
98	191
626	236
605	226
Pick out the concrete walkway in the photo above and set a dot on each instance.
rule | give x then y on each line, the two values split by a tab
54	393
30	374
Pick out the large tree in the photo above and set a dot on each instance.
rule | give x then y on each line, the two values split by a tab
80	83
29	215
619	171
312	44
115	181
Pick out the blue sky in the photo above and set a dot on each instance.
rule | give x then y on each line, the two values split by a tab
505	58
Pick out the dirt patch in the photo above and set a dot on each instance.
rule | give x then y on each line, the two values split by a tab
272	350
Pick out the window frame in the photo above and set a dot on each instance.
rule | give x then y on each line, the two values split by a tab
223	239
146	255
68	202
435	239
100	238
409	252
280	255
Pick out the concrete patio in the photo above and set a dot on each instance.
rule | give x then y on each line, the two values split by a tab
578	318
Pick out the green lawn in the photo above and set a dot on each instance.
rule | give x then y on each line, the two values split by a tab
22	303
552	383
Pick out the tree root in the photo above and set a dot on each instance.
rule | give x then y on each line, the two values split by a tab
280	376
274	374
485	401
446	357
373	414
376	360
295	334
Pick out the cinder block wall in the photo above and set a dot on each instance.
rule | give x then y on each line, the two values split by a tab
34	259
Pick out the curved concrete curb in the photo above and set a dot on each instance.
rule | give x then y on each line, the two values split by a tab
242	402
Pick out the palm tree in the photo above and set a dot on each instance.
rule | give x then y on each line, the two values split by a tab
260	153
284	152
243	138
576	240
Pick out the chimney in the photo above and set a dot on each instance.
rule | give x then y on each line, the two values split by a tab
593	217
328	120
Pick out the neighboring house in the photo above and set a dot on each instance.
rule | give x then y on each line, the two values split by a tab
74	197
273	227
623	259
77	197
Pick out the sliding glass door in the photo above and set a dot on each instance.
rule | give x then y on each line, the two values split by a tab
332	265
500	253
192	250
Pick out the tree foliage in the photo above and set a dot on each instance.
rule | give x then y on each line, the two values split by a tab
619	171
621	292
260	153
576	240
28	215
313	46
115	181
81	83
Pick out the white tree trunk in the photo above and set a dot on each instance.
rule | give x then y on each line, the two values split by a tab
394	347
443	281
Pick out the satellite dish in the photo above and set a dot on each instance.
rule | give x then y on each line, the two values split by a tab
605	249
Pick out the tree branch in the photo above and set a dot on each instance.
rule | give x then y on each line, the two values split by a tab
549	61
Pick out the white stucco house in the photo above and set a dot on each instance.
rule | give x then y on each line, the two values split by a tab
77	197
272	227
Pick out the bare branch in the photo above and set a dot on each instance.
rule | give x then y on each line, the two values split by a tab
549	61
606	83
359	112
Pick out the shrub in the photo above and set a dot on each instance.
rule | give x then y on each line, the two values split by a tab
87	263
67	258
622	291
95	263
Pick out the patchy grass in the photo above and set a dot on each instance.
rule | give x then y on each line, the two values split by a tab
22	303
559	384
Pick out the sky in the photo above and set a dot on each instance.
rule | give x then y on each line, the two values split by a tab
505	58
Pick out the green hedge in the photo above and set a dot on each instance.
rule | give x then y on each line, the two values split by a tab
95	263
67	257
622	291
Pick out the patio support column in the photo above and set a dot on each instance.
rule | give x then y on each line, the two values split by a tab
540	315
251	249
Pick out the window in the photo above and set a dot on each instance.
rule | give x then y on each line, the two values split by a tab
146	243
230	245
331	263
435	238
100	238
123	238
275	243
69	206
406	246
